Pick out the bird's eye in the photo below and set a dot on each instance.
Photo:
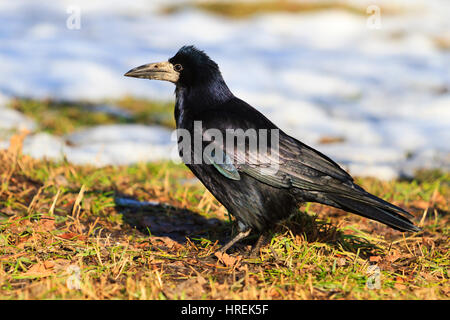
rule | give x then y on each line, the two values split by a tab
178	67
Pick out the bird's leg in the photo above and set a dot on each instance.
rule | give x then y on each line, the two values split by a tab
241	235
262	240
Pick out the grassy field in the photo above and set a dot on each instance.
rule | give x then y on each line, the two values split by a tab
64	117
149	231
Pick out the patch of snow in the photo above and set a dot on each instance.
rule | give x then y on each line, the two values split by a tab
119	145
120	133
12	119
44	145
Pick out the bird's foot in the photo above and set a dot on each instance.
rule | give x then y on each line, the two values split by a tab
241	235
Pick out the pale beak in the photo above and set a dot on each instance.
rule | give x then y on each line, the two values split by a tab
155	71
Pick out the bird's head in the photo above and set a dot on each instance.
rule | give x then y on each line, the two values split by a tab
189	67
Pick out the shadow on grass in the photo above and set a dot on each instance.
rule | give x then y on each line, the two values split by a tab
314	230
163	220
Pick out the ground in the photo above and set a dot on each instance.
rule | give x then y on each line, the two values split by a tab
149	231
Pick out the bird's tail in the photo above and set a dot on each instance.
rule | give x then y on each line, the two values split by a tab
372	207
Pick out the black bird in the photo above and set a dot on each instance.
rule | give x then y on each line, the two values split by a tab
256	198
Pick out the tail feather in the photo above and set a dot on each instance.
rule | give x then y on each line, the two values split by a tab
372	207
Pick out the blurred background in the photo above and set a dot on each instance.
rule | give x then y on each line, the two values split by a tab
365	82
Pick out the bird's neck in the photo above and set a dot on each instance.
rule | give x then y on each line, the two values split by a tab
205	95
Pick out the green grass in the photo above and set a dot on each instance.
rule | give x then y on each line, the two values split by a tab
48	226
62	117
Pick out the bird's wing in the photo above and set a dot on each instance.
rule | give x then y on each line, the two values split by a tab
290	164
285	167
300	167
312	172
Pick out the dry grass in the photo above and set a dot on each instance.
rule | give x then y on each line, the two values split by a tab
66	233
245	9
